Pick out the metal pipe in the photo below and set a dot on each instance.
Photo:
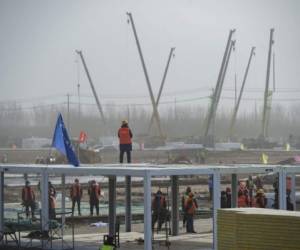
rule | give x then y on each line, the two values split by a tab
147	213
155	112
236	108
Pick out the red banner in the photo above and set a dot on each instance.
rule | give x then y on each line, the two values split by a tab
82	137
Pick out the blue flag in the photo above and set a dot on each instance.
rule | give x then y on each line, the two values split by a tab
62	143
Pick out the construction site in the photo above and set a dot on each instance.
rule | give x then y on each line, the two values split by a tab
212	143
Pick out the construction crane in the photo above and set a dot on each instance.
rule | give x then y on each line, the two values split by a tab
92	86
237	105
171	54
268	93
217	91
155	111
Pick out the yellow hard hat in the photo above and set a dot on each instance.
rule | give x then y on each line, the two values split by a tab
260	191
124	122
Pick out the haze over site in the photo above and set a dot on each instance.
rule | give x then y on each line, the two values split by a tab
38	40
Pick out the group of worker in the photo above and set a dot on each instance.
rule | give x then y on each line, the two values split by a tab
246	192
161	214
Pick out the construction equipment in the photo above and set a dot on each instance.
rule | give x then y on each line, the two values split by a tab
161	86
155	111
268	93
92	86
217	91
237	105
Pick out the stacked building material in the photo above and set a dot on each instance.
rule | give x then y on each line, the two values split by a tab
258	229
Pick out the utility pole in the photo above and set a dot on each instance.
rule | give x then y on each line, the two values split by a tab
217	90
236	108
155	111
162	85
92	86
267	93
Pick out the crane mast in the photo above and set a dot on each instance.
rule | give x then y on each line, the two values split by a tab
155	111
237	105
218	89
92	86
268	93
162	85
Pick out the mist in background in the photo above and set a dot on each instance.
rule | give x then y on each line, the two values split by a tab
39	67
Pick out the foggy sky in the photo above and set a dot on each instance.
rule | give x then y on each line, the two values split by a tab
38	40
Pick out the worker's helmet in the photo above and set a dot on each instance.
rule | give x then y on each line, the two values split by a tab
124	122
260	191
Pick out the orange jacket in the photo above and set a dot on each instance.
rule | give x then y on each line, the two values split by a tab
94	191
76	191
190	206
125	135
28	194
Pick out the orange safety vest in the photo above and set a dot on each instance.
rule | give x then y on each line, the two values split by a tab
28	194
97	191
75	191
124	136
190	206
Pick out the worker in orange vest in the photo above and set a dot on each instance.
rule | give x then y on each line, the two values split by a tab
125	135
190	207
243	195
94	192
52	202
159	209
76	195
28	199
261	200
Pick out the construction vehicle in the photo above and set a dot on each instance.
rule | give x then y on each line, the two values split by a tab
236	108
210	119
156	116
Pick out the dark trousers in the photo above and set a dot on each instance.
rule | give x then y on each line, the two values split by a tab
74	201
96	205
52	214
189	223
31	206
128	154
157	216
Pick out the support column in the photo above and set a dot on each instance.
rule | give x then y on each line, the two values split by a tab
282	189
128	215
45	201
63	196
216	206
234	188
293	191
175	210
147	213
112	204
1	201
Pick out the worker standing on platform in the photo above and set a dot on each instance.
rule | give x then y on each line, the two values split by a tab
94	192
183	200
125	136
243	198
28	199
76	195
190	207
